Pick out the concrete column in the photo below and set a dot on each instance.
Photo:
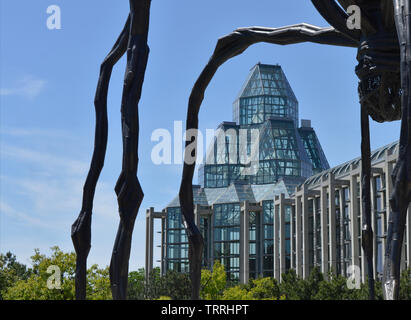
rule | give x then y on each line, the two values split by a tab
149	241
244	243
163	245
388	190
197	215
374	225
364	269
260	240
298	235
305	242
331	223
211	252
276	240
341	239
354	212
315	230
282	234
292	245
324	232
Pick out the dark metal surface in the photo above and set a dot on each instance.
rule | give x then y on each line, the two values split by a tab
401	176
384	53
133	40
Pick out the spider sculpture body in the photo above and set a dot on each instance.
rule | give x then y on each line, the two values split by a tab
384	70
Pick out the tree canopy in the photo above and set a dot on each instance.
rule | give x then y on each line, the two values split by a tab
32	284
19	282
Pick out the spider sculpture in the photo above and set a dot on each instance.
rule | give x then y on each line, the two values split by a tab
133	40
384	69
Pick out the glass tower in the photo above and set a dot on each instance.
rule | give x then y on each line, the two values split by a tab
266	104
265	115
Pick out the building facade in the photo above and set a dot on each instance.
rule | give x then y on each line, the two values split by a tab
292	211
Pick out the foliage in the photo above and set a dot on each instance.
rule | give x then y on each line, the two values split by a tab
173	285
264	289
34	287
19	282
213	282
136	285
11	271
98	283
315	287
214	286
405	285
236	293
176	285
257	289
292	287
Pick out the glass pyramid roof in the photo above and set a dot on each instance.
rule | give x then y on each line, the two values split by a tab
314	150
266	93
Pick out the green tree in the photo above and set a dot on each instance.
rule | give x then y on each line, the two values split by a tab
98	283
136	285
333	289
236	293
153	286
311	286
213	282
11	271
35	286
405	285
291	286
175	285
264	289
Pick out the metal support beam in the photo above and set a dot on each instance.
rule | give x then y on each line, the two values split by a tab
149	241
324	231
305	233
331	222
244	242
354	213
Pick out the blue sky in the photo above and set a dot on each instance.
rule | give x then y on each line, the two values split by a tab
47	85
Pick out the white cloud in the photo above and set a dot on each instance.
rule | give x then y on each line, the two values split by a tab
41	197
51	189
46	160
37	132
8	210
28	87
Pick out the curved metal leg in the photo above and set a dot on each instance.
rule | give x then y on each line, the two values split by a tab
367	233
128	189
81	228
401	176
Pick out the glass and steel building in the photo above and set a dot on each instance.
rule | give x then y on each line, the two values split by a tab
287	209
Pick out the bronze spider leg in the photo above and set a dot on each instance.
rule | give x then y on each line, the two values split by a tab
401	176
128	189
366	232
337	17
81	228
133	39
228	47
